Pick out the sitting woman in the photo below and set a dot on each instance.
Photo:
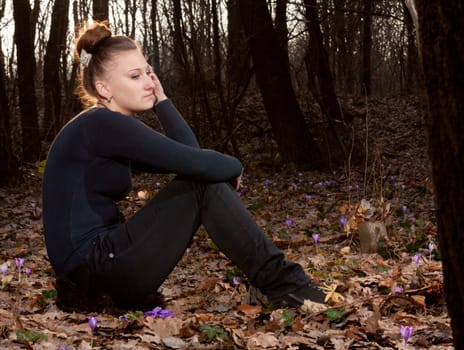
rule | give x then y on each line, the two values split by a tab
102	261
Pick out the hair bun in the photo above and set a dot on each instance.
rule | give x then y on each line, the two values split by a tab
92	36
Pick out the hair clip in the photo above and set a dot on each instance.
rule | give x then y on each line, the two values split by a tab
85	58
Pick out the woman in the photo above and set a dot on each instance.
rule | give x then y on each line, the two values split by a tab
96	256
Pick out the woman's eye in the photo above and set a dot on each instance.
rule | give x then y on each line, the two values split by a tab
135	76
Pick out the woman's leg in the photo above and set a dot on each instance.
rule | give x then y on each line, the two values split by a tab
236	233
134	260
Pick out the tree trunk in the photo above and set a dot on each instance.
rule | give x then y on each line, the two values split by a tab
155	61
342	62
100	10
366	48
411	63
26	74
441	38
280	24
295	141
323	89
238	71
51	77
9	167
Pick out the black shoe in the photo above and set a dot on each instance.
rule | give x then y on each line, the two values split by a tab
298	296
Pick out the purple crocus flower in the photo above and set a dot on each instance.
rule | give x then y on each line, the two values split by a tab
416	258
4	269
244	190
92	323
398	289
315	237
19	262
406	332
236	281
289	222
343	221
159	312
27	271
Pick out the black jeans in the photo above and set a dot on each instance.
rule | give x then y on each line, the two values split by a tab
134	260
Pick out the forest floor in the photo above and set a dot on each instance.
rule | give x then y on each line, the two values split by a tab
371	296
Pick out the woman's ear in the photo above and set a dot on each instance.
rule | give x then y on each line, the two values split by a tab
102	90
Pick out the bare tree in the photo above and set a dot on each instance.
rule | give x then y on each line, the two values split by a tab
9	162
51	77
366	48
441	33
295	141
26	73
100	10
323	89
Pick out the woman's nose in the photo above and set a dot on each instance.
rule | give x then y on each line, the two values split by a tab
149	83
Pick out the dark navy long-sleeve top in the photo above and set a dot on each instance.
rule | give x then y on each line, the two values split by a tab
88	170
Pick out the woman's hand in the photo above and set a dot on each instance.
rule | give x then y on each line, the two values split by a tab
237	182
158	91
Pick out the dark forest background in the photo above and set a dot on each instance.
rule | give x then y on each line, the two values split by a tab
306	64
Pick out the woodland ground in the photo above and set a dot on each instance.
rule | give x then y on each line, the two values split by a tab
209	312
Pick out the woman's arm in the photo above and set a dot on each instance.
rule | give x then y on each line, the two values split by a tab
174	124
114	135
172	121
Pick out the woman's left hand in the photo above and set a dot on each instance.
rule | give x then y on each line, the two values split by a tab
158	91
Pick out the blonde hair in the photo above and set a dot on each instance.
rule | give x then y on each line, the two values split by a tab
98	41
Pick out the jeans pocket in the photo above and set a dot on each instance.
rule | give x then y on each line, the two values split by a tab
103	254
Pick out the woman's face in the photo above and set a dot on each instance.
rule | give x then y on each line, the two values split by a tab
128	80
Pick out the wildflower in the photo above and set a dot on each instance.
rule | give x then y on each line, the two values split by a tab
159	312
243	190
308	197
431	249
315	238
289	222
266	183
416	258
4	269
19	264
92	323
236	283
398	289
404	209
293	185
27	271
343	221
406	332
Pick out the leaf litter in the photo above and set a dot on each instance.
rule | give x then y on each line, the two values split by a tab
392	298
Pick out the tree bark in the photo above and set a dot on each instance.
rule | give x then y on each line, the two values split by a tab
280	24
100	10
9	167
26	73
411	63
441	42
51	78
295	141
366	48
155	61
323	88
